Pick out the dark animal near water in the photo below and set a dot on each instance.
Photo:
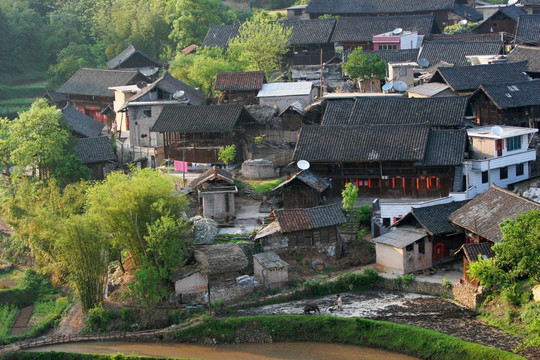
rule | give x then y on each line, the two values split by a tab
311	307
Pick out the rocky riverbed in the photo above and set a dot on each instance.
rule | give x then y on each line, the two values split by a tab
424	311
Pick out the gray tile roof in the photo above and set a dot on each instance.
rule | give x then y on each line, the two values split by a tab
220	35
512	12
362	143
530	2
199	119
310	218
445	147
469	78
362	29
410	55
313	31
82	124
401	237
95	150
526	53
212	174
467	12
514	94
454	52
352	7
435	218
437	111
170	85
471	251
310	179
240	81
483	214
134	55
96	82
528	29
494	36
270	260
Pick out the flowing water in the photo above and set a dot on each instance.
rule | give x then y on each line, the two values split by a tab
296	351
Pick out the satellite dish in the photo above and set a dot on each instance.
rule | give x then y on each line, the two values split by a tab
178	94
423	62
397	31
400	86
463	22
512	2
497	130
387	87
303	164
141	84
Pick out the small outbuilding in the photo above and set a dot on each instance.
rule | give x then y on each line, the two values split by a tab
215	192
212	274
303	190
471	253
270	269
287	93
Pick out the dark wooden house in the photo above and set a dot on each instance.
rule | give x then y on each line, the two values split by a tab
471	252
383	8
239	87
97	154
464	80
197	133
503	20
88	90
352	32
310	41
480	218
388	148
514	103
303	190
527	31
531	54
81	125
455	52
311	231
445	237
134	59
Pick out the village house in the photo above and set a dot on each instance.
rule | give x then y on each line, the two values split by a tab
383	8
530	6
470	253
270	269
464	80
303	190
310	41
283	94
88	90
504	19
527	30
297	12
212	274
239	87
480	218
134	59
312	232
455	52
215	191
138	113
82	125
429	90
498	155
444	236
514	103
388	147
97	154
527	53
197	133
352	32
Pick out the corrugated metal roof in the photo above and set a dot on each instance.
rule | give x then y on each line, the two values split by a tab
429	89
286	89
401	237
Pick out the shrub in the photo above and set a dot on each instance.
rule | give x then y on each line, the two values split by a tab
408	278
364	216
8	313
446	283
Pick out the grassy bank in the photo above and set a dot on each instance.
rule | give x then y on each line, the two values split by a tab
20	355
409	340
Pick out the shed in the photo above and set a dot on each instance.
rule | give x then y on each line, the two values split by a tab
303	190
97	154
215	191
269	268
215	267
405	250
471	252
285	94
239	87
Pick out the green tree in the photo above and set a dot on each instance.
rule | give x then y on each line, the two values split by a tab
260	45
349	197
459	28
191	19
519	251
227	154
488	274
365	67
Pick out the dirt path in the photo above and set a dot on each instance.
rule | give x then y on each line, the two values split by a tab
21	324
429	312
72	323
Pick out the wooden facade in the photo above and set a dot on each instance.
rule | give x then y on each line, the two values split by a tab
312	54
388	179
487	113
497	23
93	106
299	195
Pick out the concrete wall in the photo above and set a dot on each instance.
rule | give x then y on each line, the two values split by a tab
193	283
403	261
389	257
475	177
270	276
217	204
255	169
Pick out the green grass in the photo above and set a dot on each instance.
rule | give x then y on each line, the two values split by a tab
30	90
8	314
263	186
404	339
19	101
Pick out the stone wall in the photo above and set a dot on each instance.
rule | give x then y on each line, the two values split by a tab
258	169
468	295
419	287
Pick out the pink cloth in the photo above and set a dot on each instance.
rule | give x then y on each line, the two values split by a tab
181	166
